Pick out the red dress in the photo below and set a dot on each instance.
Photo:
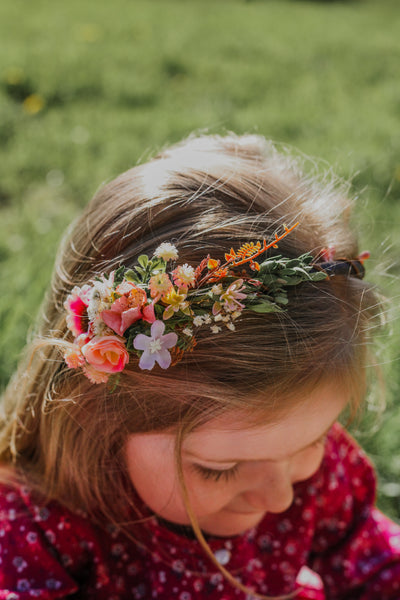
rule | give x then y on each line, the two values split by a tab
331	529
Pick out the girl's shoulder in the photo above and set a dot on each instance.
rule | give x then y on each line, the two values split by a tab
42	545
346	480
342	452
21	507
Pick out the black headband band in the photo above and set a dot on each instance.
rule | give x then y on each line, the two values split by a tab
348	268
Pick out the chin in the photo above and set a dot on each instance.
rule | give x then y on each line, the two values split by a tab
231	525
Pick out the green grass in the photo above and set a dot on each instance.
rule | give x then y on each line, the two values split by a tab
116	82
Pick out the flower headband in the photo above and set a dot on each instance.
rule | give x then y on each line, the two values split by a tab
154	315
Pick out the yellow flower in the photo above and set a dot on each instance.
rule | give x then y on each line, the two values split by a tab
33	104
176	300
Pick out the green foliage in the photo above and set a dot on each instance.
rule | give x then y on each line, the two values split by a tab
87	91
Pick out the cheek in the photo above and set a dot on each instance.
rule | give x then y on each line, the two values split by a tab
154	478
307	463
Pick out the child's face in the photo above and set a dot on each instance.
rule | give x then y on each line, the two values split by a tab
234	473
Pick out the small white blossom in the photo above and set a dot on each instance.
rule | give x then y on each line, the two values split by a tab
217	289
231	326
187	331
166	251
218	317
215	328
226	319
198	321
236	314
207	319
105	288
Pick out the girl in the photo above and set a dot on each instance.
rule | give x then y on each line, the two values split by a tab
173	431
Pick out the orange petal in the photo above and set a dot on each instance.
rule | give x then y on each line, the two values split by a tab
212	264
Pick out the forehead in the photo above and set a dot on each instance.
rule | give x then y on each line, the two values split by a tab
231	437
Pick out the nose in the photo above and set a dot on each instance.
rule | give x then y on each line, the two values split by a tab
271	489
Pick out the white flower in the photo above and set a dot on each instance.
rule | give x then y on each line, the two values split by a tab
198	321
236	314
166	251
226	319
187	331
218	317
231	326
215	328
207	319
105	287
217	289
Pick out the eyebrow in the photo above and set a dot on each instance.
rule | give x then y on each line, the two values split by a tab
240	460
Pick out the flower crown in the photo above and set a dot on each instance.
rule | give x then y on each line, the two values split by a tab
154	315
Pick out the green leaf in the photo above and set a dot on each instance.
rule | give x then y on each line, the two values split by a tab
119	276
143	260
293	281
318	276
281	299
265	307
157	265
142	272
130	275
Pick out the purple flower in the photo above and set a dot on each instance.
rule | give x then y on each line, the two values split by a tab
155	347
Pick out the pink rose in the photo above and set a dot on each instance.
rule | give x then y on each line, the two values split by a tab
106	353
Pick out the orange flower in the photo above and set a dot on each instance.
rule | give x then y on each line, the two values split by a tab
159	285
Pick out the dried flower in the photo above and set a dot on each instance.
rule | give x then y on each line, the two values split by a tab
215	328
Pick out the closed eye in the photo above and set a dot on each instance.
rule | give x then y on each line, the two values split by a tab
216	474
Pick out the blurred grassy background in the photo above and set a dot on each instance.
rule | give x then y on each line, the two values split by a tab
87	89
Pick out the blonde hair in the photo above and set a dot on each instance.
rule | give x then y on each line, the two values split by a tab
206	195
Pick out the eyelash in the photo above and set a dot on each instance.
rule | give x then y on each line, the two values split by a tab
228	474
216	475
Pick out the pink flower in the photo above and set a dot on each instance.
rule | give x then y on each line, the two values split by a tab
106	353
155	346
184	276
128	309
95	376
74	357
232	296
76	306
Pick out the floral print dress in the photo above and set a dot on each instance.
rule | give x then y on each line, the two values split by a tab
332	543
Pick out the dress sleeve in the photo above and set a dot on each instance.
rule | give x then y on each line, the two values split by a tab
30	567
356	549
